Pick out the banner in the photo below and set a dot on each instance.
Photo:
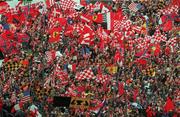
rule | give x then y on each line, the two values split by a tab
72	102
82	103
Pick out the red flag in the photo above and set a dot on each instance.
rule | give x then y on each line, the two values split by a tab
85	18
86	35
97	18
118	15
169	106
149	112
50	3
62	21
142	61
55	35
168	26
3	7
68	31
121	88
60	73
86	74
175	2
7	35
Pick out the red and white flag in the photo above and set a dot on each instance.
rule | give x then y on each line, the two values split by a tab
61	74
102	78
4	6
50	3
86	74
86	35
50	56
158	37
67	5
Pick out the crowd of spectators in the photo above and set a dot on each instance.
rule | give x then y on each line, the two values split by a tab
122	84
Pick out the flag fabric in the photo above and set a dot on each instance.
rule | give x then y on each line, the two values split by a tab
55	35
26	97
86	35
86	39
149	71
102	78
7	35
99	18
61	74
50	56
50	3
72	67
171	42
67	5
4	6
134	7
12	65
117	25
109	20
169	106
158	37
86	74
56	13
149	112
112	69
170	9
85	18
98	106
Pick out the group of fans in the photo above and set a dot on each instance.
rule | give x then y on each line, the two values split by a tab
121	55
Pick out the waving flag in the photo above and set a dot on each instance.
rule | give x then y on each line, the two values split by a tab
50	3
26	97
86	35
55	35
86	74
67	4
134	7
3	7
60	73
169	106
99	18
